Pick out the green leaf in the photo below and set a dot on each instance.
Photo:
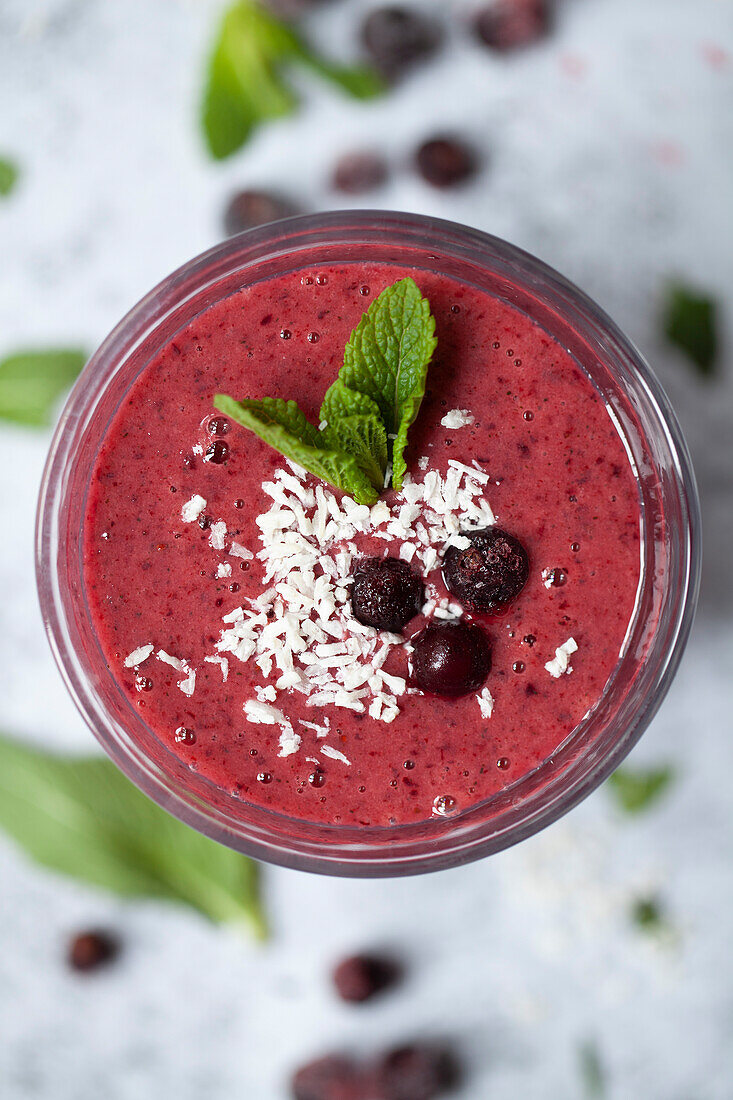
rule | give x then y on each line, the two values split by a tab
355	426
387	358
244	85
690	323
283	426
82	817
591	1070
31	383
9	173
637	790
647	915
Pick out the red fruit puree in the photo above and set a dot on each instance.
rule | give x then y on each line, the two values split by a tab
548	459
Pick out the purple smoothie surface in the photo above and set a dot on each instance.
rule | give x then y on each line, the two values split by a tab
559	479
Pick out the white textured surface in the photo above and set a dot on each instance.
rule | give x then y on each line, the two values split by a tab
528	954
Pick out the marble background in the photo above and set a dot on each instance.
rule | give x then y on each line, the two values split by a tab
607	153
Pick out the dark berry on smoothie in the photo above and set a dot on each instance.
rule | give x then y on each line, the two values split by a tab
488	574
385	594
360	977
357	172
510	24
450	658
446	161
251	208
90	950
397	38
416	1072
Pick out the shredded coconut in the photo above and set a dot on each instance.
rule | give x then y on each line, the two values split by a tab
334	754
486	703
238	551
299	630
223	664
193	508
139	655
560	662
457	418
217	535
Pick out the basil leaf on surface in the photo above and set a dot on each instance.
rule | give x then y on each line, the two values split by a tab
244	86
690	323
635	790
9	173
82	817
31	382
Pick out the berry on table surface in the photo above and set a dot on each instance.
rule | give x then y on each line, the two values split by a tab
359	171
358	978
332	1077
247	209
419	1071
396	38
92	949
446	161
510	24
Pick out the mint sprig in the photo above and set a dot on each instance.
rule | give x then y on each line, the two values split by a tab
372	403
82	817
244	85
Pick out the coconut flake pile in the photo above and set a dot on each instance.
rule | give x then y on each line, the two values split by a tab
299	631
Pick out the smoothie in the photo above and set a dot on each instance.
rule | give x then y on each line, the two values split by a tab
220	577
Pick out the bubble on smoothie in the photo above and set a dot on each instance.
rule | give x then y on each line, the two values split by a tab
445	805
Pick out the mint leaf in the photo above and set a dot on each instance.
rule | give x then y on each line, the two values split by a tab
690	323
387	358
244	85
635	791
284	427
647	915
82	817
355	426
8	176
591	1070
31	383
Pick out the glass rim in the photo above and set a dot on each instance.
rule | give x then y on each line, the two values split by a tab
373	851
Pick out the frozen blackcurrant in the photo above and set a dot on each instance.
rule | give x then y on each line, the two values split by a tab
358	172
327	1078
396	38
248	209
446	161
90	950
416	1072
510	24
361	977
386	593
450	658
488	574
